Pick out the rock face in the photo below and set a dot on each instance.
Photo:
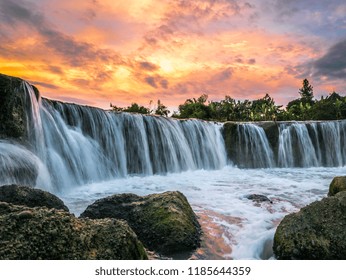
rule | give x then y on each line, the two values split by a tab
229	132
317	231
163	222
42	233
31	197
337	185
12	112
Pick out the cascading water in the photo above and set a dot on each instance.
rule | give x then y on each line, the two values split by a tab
253	147
80	145
309	144
312	144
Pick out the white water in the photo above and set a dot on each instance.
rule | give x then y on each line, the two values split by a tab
221	193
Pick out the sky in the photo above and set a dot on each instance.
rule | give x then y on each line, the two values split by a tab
97	52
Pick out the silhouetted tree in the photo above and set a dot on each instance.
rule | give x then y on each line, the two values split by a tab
306	92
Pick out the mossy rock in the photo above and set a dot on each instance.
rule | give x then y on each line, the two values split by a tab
42	233
230	136
337	185
163	222
316	232
31	197
12	108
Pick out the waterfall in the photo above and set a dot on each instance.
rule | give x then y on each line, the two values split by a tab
253	147
68	145
312	144
303	144
79	144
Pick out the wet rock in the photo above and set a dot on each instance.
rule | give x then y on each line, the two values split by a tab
317	231
31	197
230	135
258	198
337	185
163	222
12	111
42	233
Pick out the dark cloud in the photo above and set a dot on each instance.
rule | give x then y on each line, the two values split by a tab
151	81
14	12
164	84
75	53
145	65
156	82
54	69
333	63
223	75
252	61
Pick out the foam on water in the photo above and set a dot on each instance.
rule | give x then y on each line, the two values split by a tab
222	195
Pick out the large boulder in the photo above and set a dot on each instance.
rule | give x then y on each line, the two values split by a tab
317	231
163	222
31	197
337	185
42	233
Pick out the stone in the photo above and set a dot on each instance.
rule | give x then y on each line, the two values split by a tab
164	222
316	232
40	233
337	185
258	198
31	197
12	108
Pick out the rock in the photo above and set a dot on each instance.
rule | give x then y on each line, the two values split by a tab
317	231
12	108
258	198
42	233
230	136
31	197
337	185
163	222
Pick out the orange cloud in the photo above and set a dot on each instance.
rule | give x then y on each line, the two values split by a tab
98	52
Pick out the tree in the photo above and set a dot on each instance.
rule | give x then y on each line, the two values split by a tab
306	92
161	109
135	108
195	108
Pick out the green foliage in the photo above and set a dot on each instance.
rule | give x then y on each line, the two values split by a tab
161	109
134	108
306	92
195	108
304	108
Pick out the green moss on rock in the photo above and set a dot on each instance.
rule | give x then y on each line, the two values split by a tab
337	185
317	231
31	197
42	233
163	222
230	136
12	112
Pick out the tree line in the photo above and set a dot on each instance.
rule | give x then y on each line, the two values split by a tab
306	107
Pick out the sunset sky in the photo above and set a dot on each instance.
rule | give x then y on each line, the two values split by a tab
95	52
